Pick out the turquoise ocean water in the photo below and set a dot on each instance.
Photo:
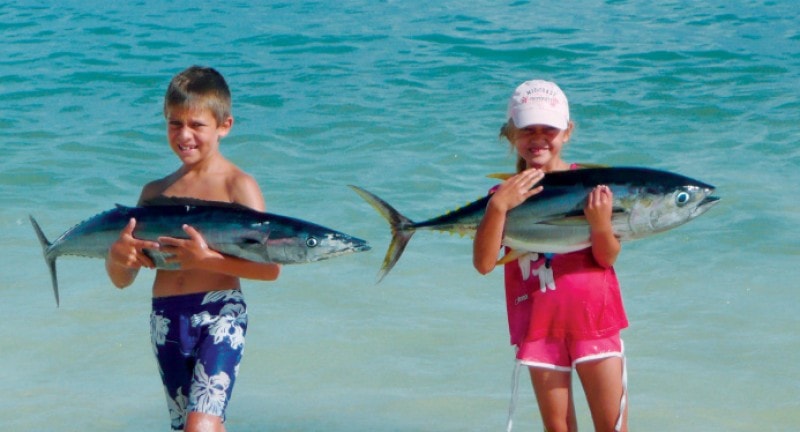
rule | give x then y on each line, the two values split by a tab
405	99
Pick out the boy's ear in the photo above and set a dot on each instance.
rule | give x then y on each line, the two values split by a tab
225	126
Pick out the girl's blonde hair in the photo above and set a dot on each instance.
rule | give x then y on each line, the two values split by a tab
509	131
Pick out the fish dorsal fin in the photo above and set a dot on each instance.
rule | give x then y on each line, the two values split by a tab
591	165
581	165
162	200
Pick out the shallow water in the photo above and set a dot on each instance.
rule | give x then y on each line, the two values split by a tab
404	99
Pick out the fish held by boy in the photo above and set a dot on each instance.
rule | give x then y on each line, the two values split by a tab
230	229
646	201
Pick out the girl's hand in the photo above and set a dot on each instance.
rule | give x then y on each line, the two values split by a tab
516	190
599	205
128	251
598	210
188	253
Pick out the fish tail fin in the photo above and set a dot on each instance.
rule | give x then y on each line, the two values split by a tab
50	260
402	229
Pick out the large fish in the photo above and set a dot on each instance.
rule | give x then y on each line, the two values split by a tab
228	228
646	201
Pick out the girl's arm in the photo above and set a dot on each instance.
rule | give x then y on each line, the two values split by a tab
488	239
605	244
489	236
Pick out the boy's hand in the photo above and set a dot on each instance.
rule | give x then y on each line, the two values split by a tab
514	191
127	251
188	253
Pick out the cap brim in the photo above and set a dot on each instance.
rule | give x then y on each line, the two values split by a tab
539	116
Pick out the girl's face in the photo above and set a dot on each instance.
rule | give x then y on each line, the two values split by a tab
194	134
540	146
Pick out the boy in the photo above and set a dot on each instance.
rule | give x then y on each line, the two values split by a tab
199	316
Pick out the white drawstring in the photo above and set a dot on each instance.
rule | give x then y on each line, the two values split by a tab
512	406
624	400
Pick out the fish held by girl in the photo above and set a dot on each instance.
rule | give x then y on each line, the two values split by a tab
646	202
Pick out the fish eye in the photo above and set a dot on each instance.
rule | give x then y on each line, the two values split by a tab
312	242
682	198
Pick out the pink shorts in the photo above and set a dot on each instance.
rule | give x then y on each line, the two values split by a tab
564	354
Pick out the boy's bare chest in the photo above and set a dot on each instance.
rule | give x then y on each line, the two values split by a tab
212	188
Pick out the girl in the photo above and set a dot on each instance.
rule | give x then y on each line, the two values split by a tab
565	311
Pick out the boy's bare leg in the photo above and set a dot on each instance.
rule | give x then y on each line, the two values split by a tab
201	422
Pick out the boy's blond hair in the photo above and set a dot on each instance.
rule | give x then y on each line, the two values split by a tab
199	87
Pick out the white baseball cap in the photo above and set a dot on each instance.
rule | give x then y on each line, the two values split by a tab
539	102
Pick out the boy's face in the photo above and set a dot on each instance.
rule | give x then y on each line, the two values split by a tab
194	134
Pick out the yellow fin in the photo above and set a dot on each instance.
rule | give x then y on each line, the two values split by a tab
510	256
500	176
592	165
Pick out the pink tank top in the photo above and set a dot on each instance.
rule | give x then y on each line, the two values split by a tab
586	302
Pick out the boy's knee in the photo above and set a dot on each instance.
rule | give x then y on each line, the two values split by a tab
202	422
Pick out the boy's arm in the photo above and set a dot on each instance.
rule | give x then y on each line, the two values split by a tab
193	253
125	257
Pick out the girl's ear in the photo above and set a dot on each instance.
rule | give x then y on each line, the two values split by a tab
568	131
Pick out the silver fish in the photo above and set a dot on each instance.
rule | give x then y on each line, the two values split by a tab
646	201
227	228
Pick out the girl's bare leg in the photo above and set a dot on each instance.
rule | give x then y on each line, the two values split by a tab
553	390
602	383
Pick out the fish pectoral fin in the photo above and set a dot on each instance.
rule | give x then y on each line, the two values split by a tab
254	236
511	256
575	217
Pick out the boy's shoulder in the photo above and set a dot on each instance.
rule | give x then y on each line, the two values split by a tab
156	188
244	189
226	182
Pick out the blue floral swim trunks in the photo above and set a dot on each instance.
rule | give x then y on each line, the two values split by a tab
198	340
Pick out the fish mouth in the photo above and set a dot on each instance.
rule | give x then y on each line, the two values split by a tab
359	245
704	205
